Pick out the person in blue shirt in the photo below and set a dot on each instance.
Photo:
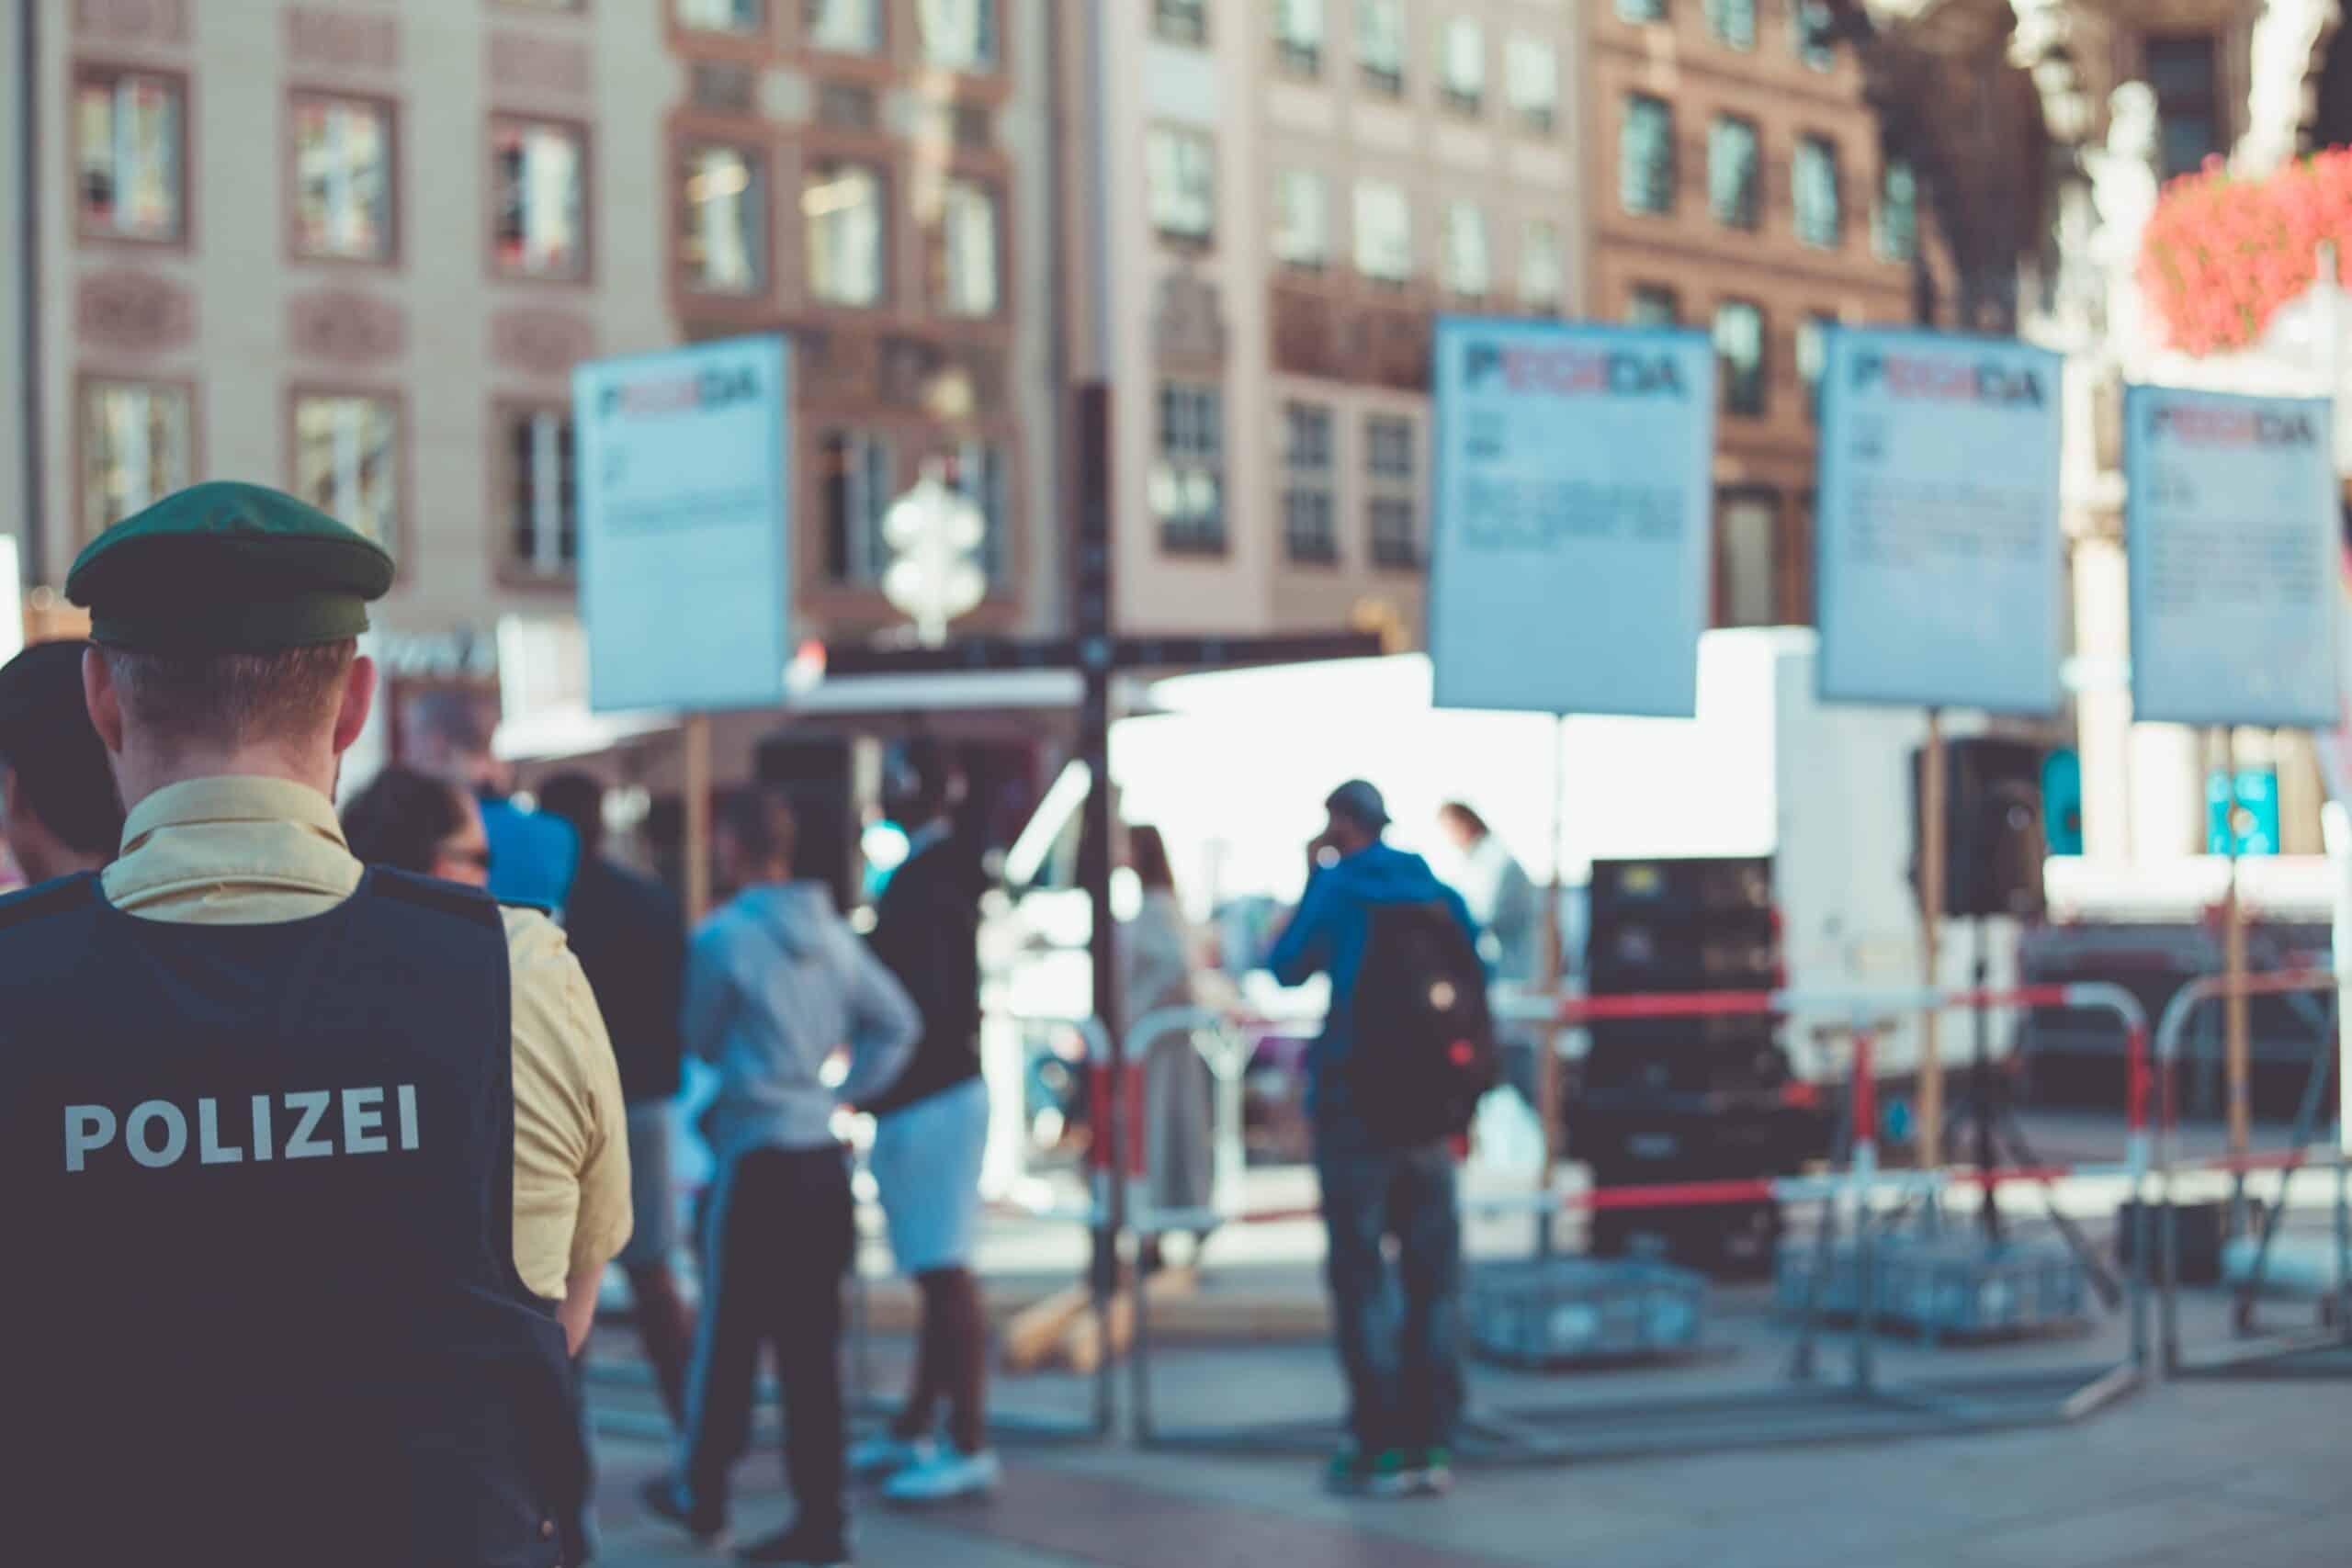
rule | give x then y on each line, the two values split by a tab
1405	1393
533	854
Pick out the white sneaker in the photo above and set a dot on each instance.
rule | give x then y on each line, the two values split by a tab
947	1474
883	1455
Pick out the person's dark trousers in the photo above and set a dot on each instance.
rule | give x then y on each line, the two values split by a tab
777	1248
1401	1349
666	1326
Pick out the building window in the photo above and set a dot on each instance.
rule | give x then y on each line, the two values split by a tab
130	154
1392	503
1810	33
1532	70
1384	232
1298	36
981	474
539	182
1813	357
969	281
1739	354
1469	272
959	35
1183	184
1181	21
1895	225
346	461
1821	218
1302	219
845	27
737	18
1645	155
1733	22
855	492
2182	70
343	178
1380	45
848	222
1462	65
1310	526
1652	305
1543	286
1747	575
543	512
1188	482
1735	175
1641	10
725	247
138	447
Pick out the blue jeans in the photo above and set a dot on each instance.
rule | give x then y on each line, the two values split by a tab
1400	1350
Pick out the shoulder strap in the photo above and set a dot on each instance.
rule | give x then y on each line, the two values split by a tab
431	893
54	897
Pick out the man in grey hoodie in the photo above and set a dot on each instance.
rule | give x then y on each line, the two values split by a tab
776	983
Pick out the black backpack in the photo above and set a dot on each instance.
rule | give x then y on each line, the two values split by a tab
1424	1047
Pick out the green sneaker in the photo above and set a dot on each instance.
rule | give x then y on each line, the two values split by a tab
1354	1473
1432	1471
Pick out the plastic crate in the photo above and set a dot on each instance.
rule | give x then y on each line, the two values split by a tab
1945	1287
1566	1312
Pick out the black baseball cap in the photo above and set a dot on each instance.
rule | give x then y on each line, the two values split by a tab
47	743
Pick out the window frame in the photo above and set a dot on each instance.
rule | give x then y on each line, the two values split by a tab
1197	9
1540	121
1768	499
814	161
889	441
1730	408
1293	59
1671	184
762	45
395	249
1285	176
1818	143
87	70
1389	487
1907	252
507	571
1318	481
1813	327
1468	101
1558	301
994	68
684	142
1448	217
1654	13
938	248
404	451
805	35
1185	540
1821	58
1156	133
1747	216
1719	16
86	381
1356	228
584	137
1384	80
1638	292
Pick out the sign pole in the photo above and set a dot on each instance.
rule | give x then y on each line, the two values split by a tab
1932	852
696	736
1548	1109
2237	1008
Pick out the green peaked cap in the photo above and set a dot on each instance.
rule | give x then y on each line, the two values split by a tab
227	567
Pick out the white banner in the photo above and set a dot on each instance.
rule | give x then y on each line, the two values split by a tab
2231	526
1940	553
684	525
1573	535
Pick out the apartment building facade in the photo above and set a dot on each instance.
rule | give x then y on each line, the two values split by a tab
1738	185
1271	205
355	249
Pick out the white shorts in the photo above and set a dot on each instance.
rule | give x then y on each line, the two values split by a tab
926	1165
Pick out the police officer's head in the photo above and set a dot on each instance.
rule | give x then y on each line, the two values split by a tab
227	619
58	810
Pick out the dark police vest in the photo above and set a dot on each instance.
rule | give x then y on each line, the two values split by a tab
262	1307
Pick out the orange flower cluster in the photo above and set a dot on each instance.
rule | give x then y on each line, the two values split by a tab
2222	254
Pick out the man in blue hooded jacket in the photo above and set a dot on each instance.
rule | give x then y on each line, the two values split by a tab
1403	1401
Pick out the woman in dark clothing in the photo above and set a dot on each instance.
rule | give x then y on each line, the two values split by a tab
414	823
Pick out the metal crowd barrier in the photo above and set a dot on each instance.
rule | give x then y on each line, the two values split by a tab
2326	1351
1866	1406
864	1400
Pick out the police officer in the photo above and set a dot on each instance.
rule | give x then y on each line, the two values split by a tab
316	1166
